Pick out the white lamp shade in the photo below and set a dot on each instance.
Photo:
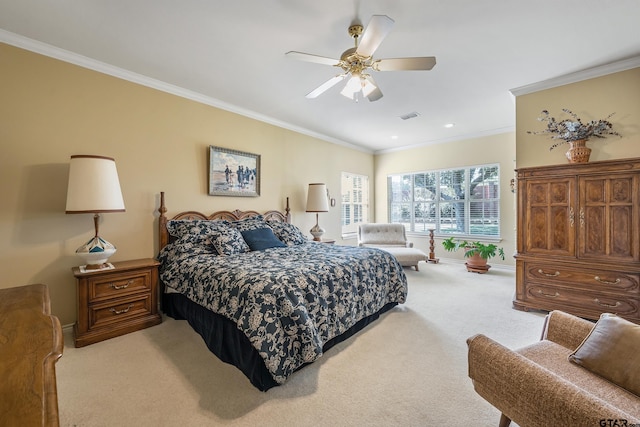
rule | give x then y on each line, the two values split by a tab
317	200
94	186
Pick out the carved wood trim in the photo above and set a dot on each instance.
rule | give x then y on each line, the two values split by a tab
235	215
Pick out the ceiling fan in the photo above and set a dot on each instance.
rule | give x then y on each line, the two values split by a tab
356	62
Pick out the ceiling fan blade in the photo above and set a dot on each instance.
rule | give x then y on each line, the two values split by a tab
376	31
326	86
375	93
301	56
400	64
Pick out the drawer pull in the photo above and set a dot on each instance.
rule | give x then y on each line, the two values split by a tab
617	304
556	274
114	286
113	310
571	216
598	279
548	295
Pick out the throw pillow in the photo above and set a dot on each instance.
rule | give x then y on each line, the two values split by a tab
229	242
287	233
262	238
195	232
612	350
250	223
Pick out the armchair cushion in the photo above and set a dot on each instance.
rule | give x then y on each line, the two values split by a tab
612	350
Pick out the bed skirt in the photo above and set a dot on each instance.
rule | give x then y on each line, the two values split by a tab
230	345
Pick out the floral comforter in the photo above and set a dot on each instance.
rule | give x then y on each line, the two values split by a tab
288	301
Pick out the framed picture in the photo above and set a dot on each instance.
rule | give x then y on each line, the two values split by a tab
233	173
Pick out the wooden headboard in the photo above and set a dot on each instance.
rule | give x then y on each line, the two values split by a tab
216	216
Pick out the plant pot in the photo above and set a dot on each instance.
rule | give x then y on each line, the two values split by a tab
477	264
578	151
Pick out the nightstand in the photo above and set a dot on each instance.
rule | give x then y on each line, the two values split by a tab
117	301
328	241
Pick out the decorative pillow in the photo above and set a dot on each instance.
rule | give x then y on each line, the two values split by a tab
229	241
287	233
262	238
612	350
199	227
195	232
250	223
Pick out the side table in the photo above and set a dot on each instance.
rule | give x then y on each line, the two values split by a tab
116	301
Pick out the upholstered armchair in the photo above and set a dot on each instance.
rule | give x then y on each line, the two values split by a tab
539	385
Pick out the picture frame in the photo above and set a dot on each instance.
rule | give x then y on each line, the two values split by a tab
233	173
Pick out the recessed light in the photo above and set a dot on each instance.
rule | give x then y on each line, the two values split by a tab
394	136
449	125
411	115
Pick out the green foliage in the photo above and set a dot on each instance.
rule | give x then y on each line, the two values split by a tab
486	251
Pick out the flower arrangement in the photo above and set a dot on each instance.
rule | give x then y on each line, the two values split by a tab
573	129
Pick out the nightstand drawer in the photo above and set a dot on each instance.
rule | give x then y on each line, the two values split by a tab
119	285
101	315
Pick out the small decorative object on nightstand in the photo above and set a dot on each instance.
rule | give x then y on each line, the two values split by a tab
117	301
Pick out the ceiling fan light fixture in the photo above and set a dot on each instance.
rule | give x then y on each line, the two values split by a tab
352	86
367	87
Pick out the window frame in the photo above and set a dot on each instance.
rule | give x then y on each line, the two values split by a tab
361	208
436	204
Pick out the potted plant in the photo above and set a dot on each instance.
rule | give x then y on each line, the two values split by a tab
575	133
477	253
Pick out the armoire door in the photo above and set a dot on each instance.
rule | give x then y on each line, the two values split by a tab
608	217
549	217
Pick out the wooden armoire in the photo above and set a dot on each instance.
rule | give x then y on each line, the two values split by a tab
578	238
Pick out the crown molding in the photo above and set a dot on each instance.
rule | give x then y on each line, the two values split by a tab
104	68
589	73
488	132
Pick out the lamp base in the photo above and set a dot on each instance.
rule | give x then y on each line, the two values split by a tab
95	253
317	233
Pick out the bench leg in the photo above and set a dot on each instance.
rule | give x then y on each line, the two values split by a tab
504	421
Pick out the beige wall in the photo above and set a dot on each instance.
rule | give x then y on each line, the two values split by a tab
591	99
498	149
50	110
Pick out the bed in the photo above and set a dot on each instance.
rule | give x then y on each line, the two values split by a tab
269	306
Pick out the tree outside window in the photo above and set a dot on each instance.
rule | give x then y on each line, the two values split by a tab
464	201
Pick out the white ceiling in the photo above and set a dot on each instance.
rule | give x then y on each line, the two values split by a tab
232	54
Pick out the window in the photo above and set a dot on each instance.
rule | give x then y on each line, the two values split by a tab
463	201
355	202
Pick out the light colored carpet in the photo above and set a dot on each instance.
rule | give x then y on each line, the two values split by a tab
407	369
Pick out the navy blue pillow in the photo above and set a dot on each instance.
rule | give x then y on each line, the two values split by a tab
261	238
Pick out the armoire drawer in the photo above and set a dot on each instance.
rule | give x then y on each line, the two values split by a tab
560	298
589	279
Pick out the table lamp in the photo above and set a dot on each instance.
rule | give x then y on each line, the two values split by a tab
94	188
317	201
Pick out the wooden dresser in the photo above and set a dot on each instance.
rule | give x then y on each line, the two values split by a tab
578	235
31	343
117	301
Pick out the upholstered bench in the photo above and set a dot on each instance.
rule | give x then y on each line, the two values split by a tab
393	239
